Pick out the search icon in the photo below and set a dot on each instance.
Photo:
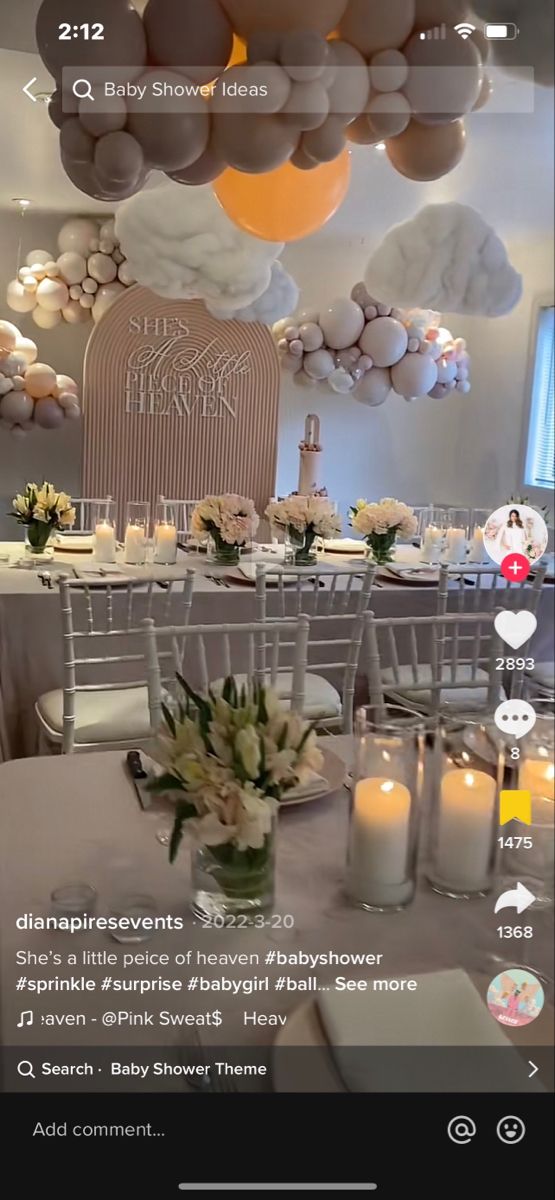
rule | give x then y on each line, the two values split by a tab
26	1069
82	89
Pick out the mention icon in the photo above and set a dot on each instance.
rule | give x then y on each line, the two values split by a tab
515	806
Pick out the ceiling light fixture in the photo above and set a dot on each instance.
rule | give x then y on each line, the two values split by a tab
379	146
21	202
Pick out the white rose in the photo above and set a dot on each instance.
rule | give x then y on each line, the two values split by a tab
247	746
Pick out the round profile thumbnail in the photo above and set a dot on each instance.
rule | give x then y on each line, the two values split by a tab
515	997
515	529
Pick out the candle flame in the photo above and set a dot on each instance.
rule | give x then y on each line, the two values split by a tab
469	779
387	786
551	771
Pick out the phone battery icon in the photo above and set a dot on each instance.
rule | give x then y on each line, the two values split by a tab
501	33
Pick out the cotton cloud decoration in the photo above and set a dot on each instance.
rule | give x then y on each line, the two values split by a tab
446	258
279	299
182	246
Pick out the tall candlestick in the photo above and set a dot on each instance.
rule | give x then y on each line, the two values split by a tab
379	842
466	817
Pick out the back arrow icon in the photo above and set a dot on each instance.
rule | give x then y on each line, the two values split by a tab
534	1068
519	898
26	89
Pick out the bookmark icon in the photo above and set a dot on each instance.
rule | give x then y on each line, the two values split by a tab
515	806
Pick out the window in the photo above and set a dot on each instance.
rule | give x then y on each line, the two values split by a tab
540	453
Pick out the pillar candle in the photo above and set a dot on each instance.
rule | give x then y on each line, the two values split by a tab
379	845
456	545
433	540
310	472
105	542
477	546
135	545
537	775
466	813
165	543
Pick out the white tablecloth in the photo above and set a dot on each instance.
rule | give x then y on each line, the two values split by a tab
30	629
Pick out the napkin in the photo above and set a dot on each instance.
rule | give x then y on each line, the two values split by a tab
344	546
101	574
249	569
75	542
311	787
445	1010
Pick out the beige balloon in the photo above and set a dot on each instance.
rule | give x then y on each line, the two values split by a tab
307	106
388	71
74	314
426	152
253	143
445	77
42	257
72	267
389	114
281	16
45	318
52	294
64	383
349	93
326	143
19	298
373	25
360	133
27	349
40	380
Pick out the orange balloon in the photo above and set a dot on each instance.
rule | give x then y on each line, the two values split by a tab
239	52
286	204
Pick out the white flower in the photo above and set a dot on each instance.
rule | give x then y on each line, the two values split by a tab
305	513
247	746
386	515
233	517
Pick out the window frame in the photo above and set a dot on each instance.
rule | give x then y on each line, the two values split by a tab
538	495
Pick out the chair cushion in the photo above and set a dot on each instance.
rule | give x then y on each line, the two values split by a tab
113	716
544	675
321	701
459	699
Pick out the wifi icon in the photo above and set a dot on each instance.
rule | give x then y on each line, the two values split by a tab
465	29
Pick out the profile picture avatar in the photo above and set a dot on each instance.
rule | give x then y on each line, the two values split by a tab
515	529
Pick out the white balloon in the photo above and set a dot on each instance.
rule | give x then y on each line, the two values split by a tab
108	230
64	383
72	412
46	318
106	245
66	399
446	371
72	267
74	314
319	364
27	349
76	236
90	285
288	362
38	256
385	340
374	387
102	268
30	284
38	271
18	298
86	301
126	276
76	291
105	297
311	335
52	294
340	381
342	323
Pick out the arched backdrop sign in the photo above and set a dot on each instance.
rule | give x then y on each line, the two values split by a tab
178	403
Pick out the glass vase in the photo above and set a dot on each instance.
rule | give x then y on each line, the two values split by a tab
300	548
381	546
37	537
165	533
385	808
226	554
105	534
227	882
467	772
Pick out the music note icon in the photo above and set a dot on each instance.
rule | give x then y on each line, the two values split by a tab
26	1018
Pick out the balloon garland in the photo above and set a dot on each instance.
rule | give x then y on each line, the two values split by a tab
82	283
304	80
31	393
366	349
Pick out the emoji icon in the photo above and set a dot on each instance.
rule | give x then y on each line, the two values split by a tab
461	1130
515	998
515	718
515	806
518	897
515	628
515	568
511	1130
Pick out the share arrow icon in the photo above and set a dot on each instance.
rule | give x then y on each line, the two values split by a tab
518	897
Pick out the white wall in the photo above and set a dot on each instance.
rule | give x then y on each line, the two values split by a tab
464	450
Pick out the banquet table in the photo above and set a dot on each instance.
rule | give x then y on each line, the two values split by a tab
30	623
64	819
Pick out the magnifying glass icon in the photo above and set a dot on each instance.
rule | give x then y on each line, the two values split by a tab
82	89
26	1069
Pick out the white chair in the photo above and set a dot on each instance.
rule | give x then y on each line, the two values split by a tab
103	620
336	602
435	662
84	512
188	645
485	589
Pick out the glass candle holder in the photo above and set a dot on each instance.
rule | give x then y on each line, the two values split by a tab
478	518
456	535
136	532
467	775
165	533
433	525
385	808
104	525
73	900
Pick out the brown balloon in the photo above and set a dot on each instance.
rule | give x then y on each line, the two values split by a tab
424	152
207	168
170	140
84	177
76	142
253	143
307	107
99	123
373	25
302	161
351	89
445	77
123	44
118	159
326	143
280	16
360	132
304	55
256	88
194	35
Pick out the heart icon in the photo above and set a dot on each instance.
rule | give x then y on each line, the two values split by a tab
515	628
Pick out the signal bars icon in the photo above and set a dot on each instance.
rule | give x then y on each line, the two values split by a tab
439	32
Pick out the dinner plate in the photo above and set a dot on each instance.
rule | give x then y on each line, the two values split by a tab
417	576
334	772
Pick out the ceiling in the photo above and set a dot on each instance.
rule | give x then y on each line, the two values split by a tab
507	171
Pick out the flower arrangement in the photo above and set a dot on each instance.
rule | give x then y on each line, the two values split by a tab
227	759
381	523
41	510
229	520
304	518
